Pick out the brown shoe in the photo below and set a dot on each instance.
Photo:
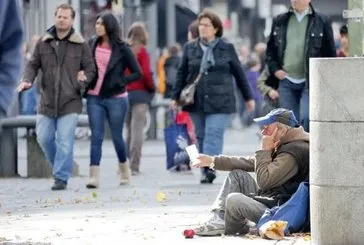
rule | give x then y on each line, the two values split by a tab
94	180
125	173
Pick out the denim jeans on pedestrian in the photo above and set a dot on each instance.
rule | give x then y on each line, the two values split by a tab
114	110
295	97
28	101
56	138
210	129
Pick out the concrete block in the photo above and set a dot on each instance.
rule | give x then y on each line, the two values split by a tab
337	215
37	165
336	85
337	154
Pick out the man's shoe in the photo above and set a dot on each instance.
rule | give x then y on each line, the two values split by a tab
59	185
214	227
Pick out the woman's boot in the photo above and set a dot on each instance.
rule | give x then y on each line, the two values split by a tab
94	180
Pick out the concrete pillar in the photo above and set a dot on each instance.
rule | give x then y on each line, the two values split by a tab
336	151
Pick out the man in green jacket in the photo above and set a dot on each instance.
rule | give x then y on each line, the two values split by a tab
281	163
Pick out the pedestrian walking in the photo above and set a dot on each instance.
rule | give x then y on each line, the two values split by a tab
107	97
60	54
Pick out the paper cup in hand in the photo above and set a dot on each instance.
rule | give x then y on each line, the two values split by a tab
192	153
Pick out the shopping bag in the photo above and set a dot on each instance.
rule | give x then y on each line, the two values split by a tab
295	211
176	139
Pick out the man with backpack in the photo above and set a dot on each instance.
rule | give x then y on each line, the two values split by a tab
280	166
171	67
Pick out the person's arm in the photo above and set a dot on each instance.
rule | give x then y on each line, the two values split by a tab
87	65
33	65
271	55
11	37
239	75
229	163
144	62
132	64
181	76
274	173
328	45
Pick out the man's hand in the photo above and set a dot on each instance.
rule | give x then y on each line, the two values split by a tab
203	161
273	94
23	86
280	74
81	76
269	142
250	105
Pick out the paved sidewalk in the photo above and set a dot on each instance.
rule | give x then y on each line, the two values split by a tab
32	214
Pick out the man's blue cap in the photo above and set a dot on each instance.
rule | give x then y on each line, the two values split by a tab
280	115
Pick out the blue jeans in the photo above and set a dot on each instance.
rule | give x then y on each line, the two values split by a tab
114	110
56	138
210	129
295	97
28	101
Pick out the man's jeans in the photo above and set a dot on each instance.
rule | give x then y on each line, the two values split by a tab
295	97
210	129
28	101
114	110
56	138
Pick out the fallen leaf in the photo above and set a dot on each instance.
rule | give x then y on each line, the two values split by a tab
94	194
8	213
161	197
58	200
307	238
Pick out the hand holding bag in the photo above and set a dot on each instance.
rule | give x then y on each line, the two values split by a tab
188	92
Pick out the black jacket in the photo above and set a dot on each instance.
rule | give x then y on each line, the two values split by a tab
115	80
319	40
215	90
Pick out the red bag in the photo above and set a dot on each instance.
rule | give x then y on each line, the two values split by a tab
183	117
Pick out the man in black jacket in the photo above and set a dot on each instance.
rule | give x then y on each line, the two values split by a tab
297	36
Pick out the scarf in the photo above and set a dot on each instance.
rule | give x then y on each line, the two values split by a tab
208	59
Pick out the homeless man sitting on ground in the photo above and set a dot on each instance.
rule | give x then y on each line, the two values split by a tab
280	165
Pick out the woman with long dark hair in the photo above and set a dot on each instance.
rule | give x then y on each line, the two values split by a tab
107	97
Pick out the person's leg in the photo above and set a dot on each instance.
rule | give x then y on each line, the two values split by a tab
289	96
239	209
138	119
96	116
46	135
117	109
237	181
305	102
65	137
198	120
215	126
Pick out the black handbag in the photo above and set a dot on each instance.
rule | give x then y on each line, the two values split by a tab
188	92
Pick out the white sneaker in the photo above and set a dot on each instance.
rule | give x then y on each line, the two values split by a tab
214	227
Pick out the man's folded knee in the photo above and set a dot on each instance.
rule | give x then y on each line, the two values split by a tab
234	200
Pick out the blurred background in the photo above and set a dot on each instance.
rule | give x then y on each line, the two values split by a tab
246	22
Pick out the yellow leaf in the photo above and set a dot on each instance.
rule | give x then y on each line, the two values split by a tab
94	194
307	238
161	197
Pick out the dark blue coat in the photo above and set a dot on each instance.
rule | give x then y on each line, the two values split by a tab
11	35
